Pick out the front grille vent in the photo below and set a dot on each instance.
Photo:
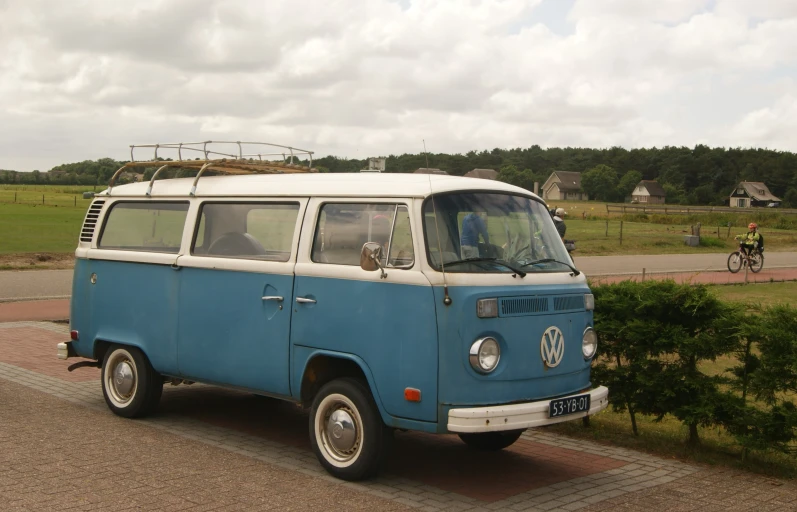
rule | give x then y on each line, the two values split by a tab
92	217
519	306
568	302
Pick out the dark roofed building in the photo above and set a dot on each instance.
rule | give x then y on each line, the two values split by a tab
563	185
649	192
750	194
486	174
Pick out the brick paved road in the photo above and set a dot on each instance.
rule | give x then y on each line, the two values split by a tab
213	449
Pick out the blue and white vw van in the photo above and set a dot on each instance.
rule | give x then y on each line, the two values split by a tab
377	301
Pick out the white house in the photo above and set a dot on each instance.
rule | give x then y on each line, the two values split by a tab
648	192
563	186
750	194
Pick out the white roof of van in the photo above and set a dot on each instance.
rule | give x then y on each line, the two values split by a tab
314	185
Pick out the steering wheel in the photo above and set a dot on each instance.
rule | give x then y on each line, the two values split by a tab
236	244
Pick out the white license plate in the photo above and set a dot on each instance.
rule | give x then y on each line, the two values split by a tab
569	405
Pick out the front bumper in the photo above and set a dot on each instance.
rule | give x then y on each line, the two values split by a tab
518	416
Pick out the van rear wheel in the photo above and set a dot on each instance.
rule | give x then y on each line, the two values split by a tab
491	441
130	385
346	430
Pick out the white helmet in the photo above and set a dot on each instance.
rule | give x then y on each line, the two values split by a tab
560	212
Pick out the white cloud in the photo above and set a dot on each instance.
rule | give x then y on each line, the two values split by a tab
773	127
84	79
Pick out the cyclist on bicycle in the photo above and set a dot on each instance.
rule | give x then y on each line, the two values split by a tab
750	240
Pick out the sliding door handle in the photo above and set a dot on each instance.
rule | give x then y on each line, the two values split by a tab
273	297
304	300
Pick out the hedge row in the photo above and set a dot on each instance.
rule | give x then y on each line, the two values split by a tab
655	337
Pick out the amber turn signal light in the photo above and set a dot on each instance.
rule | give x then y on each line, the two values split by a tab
412	395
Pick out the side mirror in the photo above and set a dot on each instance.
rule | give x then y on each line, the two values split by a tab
88	195
370	258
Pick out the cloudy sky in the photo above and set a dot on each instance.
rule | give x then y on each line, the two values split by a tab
83	79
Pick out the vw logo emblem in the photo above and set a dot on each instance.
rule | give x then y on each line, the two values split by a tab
552	347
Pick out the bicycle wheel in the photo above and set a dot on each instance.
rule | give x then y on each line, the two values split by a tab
735	261
756	262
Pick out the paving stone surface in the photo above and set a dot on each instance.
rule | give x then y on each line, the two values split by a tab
209	448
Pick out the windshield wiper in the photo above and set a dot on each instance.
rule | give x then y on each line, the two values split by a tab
552	260
489	260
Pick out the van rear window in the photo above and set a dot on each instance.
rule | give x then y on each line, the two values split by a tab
139	226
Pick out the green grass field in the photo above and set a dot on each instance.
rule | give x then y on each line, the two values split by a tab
767	294
31	228
47	195
648	238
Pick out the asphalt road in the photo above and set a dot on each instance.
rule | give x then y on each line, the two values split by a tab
42	284
633	264
35	284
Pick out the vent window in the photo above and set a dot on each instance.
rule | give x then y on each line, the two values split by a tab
90	223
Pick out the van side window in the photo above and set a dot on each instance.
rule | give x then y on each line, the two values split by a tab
343	229
262	231
144	226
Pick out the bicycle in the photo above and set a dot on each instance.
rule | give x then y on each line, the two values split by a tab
754	260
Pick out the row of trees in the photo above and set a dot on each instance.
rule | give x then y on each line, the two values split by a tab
699	175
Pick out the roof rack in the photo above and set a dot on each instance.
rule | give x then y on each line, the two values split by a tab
216	157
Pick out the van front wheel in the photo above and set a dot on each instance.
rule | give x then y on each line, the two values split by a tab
130	385
346	430
491	441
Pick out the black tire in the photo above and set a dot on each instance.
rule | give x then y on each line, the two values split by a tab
756	262
136	390
491	441
371	438
735	261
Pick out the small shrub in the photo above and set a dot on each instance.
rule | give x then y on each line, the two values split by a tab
654	336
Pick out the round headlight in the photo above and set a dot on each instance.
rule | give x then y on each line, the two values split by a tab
589	343
484	355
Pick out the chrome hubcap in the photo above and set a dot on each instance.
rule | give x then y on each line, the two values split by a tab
123	379
341	431
120	378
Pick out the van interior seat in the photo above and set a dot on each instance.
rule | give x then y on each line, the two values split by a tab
236	244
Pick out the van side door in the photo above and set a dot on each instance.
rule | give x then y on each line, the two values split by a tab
236	290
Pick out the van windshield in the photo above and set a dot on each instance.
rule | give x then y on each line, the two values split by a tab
483	232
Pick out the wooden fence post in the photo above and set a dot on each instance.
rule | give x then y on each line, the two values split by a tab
42	198
621	232
15	197
607	228
76	205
